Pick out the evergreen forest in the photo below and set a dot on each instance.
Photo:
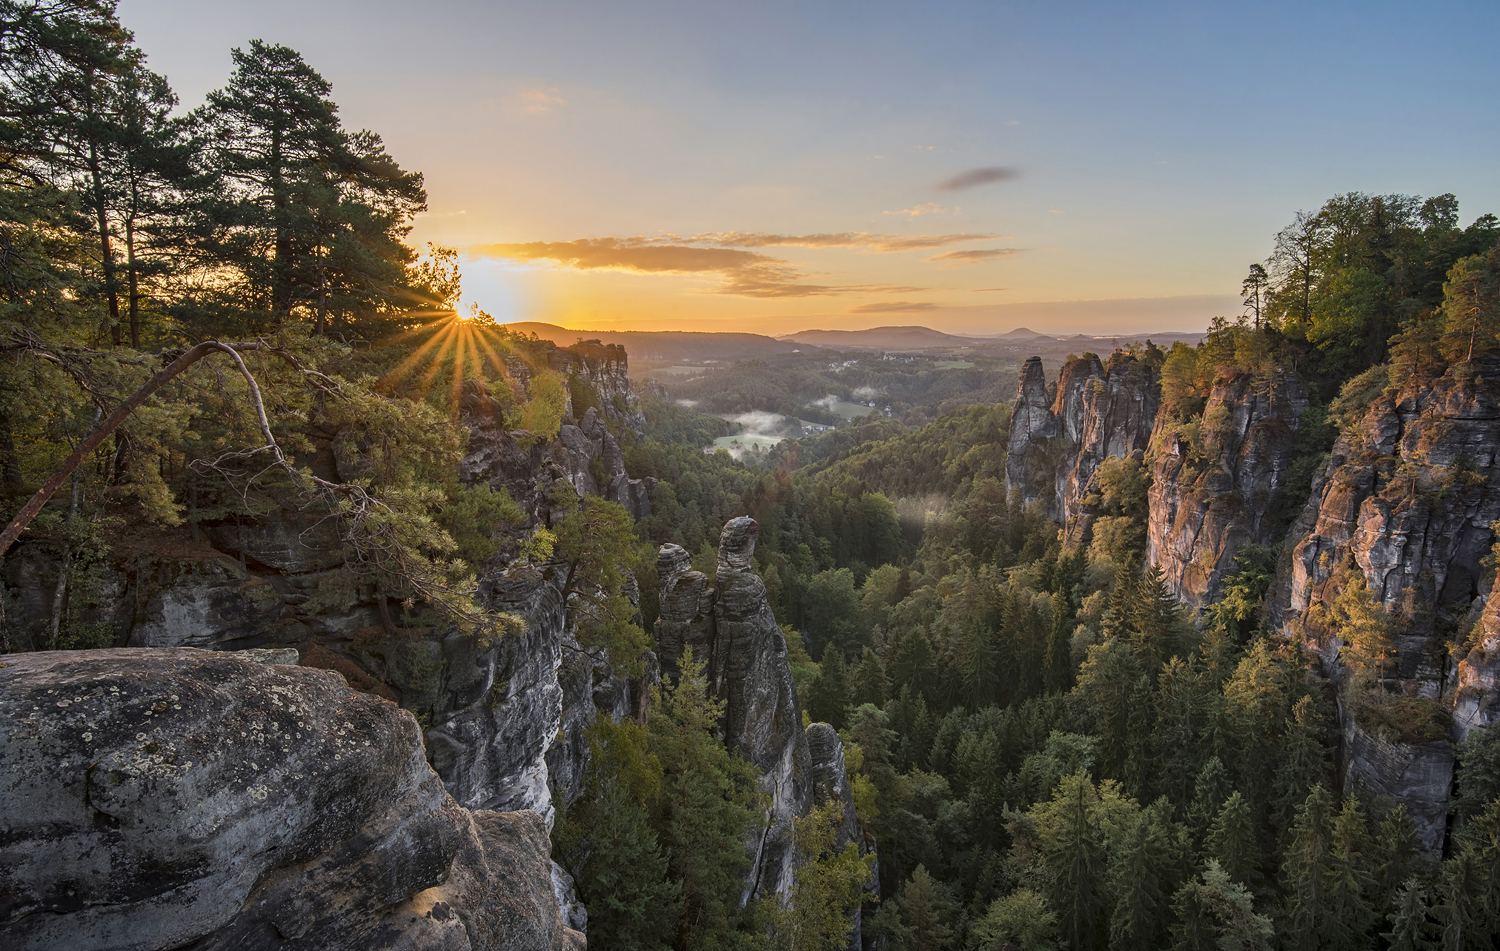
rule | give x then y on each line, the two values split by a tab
213	313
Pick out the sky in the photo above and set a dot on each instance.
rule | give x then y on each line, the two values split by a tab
972	167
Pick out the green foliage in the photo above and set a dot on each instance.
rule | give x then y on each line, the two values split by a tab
1478	771
826	888
597	543
1019	920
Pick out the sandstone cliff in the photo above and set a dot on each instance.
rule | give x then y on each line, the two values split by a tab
1058	442
1225	485
160	798
1408	502
731	626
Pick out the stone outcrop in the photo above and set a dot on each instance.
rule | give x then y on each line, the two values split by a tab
1407	500
585	456
732	629
604	367
1059	439
1209	496
160	798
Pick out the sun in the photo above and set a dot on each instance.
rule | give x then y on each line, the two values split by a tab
460	346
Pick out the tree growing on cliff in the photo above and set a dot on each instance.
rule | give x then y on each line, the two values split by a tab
596	543
826	888
707	804
1361	623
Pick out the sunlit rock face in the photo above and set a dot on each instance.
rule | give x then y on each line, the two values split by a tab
161	798
1407	500
1206	501
1059	439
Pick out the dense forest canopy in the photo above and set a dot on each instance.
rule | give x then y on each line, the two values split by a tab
1049	751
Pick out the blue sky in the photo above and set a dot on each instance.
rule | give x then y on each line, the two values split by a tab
1156	147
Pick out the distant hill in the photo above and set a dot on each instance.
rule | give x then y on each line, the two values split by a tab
665	344
881	338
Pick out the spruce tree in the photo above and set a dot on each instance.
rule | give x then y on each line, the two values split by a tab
1210	790
1307	915
706	808
869	680
928	912
1412	927
632	904
1231	842
1142	881
828	697
1215	913
1304	760
1351	885
1058	676
1073	852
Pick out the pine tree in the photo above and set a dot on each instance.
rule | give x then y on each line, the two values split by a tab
1307	914
978	667
1394	856
1177	739
1139	726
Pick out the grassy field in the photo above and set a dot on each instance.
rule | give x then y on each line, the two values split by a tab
845	408
952	365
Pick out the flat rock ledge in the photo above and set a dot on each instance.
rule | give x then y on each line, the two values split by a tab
179	798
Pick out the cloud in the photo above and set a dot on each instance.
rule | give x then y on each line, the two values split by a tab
980	290
975	177
893	307
971	256
860	240
931	208
745	273
627	254
538	101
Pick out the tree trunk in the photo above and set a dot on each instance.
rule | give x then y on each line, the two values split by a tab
133	304
54	482
106	253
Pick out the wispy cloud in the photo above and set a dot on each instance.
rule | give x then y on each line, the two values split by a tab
893	307
744	273
972	255
981	290
975	177
859	240
540	100
931	208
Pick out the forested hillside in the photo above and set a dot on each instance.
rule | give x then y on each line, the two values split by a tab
1100	677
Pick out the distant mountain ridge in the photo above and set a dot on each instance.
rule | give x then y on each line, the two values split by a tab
664	344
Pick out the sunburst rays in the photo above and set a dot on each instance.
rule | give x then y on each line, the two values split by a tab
458	348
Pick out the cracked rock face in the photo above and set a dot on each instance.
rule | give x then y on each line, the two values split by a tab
1203	509
1407	500
732	628
1058	441
156	798
586	456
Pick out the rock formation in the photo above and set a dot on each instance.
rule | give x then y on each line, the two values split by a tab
1408	501
586	456
731	626
1057	444
160	798
1205	501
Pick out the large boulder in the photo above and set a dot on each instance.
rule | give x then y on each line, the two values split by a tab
159	798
